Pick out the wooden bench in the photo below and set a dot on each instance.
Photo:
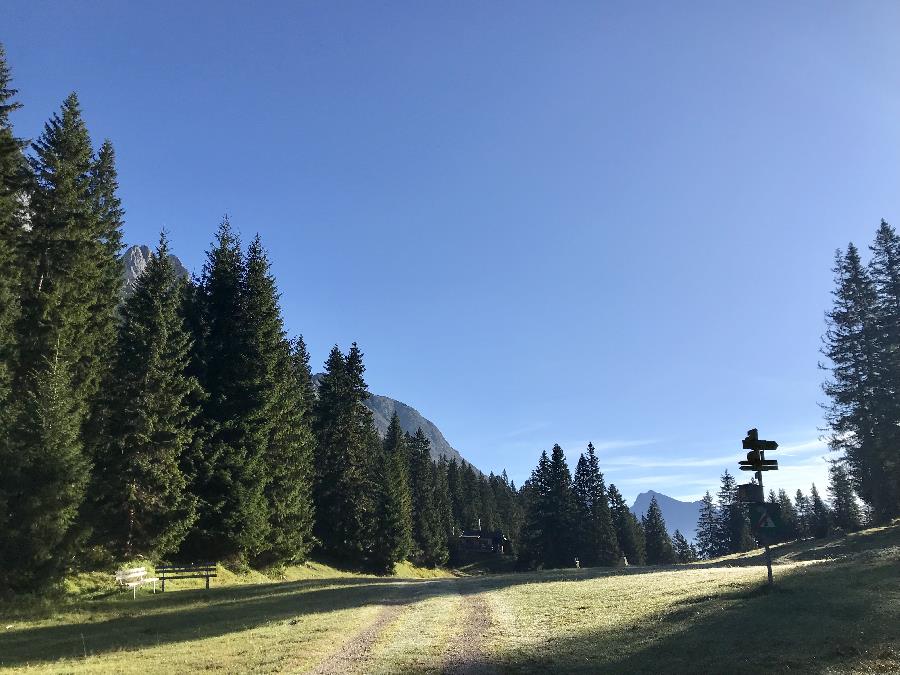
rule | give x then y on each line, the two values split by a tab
189	571
135	577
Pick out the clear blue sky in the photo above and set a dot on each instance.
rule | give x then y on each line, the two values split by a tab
543	222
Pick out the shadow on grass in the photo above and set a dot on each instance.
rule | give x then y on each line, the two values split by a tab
799	621
179	616
839	615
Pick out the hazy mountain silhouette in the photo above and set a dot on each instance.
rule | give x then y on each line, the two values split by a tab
677	514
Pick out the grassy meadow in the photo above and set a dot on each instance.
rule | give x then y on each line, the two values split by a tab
835	608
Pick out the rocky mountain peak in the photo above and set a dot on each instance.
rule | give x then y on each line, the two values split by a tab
135	261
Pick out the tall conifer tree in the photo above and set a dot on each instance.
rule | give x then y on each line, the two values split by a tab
71	257
13	175
560	512
789	517
44	485
855	388
707	533
13	179
62	254
228	468
628	528
733	521
536	539
347	444
393	536
684	552
275	383
804	515
658	543
820	518
596	537
443	503
140	485
884	271
844	509
428	533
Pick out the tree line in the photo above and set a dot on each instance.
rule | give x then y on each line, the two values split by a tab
569	518
723	526
862	348
181	422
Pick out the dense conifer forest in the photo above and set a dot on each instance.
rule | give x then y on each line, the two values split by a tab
181	422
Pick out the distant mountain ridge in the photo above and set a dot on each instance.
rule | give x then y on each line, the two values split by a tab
383	408
677	514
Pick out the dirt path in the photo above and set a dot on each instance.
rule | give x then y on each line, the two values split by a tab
355	651
465	655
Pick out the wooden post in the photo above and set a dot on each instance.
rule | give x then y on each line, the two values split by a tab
766	545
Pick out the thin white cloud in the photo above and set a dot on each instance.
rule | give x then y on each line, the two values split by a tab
651	463
601	446
656	482
523	431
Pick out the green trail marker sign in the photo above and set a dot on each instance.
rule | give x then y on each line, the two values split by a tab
765	521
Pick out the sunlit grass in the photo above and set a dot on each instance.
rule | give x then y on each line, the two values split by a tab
835	607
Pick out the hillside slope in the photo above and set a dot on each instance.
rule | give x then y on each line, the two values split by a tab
383	408
834	609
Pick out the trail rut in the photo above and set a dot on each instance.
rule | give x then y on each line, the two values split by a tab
465	655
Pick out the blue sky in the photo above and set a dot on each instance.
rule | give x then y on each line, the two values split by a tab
543	222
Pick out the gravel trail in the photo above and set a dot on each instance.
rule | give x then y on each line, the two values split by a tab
465	655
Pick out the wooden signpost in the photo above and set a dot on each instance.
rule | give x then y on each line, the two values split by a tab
765	519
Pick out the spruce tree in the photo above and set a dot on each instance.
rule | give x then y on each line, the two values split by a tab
804	515
228	468
443	506
144	506
108	218
884	271
393	536
560	513
43	484
275	383
454	490
595	535
487	513
428	534
628	528
789	518
658	544
683	550
856	390
344	490
707	533
844	509
733	521
61	258
469	497
59	280
70	290
13	175
13	179
820	518
536	539
509	508
303	373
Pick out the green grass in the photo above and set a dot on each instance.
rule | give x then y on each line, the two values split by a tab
835	608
